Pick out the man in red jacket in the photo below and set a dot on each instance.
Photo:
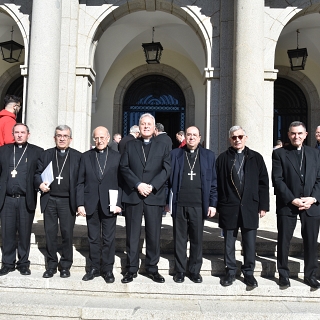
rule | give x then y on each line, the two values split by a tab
12	105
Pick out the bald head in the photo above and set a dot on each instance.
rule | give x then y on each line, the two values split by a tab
101	137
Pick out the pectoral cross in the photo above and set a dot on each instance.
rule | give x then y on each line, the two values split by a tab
14	173
59	178
191	174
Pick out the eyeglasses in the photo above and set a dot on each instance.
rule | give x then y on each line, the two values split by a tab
234	138
64	136
99	138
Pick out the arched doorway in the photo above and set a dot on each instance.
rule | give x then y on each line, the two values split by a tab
161	97
16	88
290	104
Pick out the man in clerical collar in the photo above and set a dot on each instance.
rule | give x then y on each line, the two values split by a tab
193	188
243	197
296	181
99	200
58	200
18	163
317	135
145	168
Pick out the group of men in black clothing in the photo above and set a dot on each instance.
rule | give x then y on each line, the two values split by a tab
146	177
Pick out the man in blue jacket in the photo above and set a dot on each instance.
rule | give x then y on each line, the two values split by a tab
193	198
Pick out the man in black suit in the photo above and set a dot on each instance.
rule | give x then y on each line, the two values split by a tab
193	183
243	197
161	135
296	181
58	201
98	175
145	167
18	198
114	144
134	134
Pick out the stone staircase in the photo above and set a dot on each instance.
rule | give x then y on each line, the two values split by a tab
33	297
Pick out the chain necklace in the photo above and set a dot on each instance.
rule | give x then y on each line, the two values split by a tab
59	173
14	172
191	174
144	155
102	171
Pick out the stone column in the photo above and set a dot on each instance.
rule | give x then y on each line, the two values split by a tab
44	68
248	80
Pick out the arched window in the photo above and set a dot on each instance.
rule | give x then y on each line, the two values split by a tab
290	105
157	95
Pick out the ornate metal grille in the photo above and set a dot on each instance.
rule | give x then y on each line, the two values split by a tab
290	105
153	94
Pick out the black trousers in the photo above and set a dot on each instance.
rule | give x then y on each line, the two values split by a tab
153	219
309	232
188	222
15	217
101	237
57	212
248	247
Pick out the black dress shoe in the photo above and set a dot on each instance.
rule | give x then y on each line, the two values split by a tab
250	281
284	282
156	277
196	277
179	277
312	282
64	273
49	273
108	277
228	280
5	270
128	277
90	275
25	271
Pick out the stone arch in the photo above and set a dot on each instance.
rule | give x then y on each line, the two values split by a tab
7	78
310	92
114	13
149	69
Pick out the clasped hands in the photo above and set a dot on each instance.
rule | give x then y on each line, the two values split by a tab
82	211
303	203
144	189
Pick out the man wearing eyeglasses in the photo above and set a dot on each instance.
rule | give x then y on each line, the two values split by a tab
243	197
296	181
8	115
98	180
58	200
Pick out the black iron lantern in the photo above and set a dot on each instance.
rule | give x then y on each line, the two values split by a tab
152	51
11	50
297	57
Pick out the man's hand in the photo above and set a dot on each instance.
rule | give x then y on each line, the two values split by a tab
144	189
81	211
298	203
262	213
307	202
211	212
117	210
44	187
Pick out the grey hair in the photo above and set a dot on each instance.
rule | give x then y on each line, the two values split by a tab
297	124
134	129
236	128
20	124
148	115
108	134
160	127
63	127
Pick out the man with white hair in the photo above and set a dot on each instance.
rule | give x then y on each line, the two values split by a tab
243	197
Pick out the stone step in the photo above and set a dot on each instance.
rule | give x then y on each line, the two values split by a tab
18	305
212	264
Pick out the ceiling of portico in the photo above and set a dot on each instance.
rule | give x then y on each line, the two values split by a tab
126	35
309	27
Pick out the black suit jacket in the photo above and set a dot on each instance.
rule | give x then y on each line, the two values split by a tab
114	145
91	189
165	138
287	181
123	142
49	155
33	154
155	171
255	195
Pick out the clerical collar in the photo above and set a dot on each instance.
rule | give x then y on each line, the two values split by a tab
191	151
23	145
62	150
299	148
238	150
101	151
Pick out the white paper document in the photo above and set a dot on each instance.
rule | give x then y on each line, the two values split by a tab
170	200
47	174
113	198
